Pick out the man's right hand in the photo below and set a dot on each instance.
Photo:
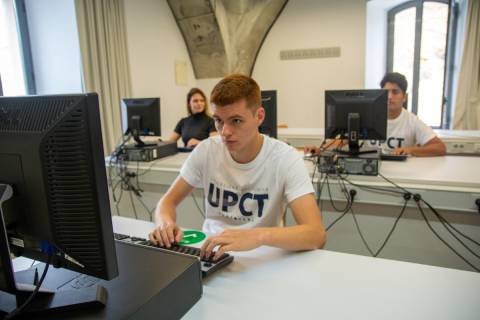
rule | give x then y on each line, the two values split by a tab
311	149
166	234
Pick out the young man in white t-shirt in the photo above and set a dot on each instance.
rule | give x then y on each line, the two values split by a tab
406	133
249	180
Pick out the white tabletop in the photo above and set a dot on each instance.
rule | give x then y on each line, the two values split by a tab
452	173
316	133
448	172
320	132
269	283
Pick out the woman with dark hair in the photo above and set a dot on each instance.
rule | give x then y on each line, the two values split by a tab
198	125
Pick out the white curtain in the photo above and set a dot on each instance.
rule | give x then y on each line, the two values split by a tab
467	104
103	45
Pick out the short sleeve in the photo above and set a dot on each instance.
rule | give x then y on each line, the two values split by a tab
423	133
297	180
179	127
192	168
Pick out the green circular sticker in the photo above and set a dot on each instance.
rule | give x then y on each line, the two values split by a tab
191	237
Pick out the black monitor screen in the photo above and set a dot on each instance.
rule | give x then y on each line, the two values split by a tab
142	114
269	103
369	107
53	188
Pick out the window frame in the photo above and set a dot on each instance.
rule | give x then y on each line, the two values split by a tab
25	46
449	53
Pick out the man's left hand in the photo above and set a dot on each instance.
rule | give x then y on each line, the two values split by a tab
231	240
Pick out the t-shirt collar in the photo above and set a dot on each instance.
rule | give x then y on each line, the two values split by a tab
245	166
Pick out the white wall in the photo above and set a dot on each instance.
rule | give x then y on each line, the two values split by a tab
300	84
154	44
55	46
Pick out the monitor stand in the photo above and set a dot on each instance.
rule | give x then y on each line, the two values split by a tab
353	138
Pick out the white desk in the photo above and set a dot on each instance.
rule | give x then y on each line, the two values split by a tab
451	184
456	141
300	137
269	283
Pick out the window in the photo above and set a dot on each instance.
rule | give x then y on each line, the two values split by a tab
417	47
11	70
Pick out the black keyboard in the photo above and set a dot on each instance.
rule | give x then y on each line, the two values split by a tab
393	157
208	266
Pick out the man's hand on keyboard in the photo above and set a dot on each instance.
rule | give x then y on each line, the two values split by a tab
398	151
165	234
231	240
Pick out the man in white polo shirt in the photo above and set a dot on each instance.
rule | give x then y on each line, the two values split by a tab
249	180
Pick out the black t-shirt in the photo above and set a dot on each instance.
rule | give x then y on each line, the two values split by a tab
196	126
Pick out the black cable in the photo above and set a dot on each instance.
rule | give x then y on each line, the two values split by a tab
319	192
320	184
315	164
343	187
407	198
393	183
360	232
16	312
136	178
350	201
336	220
119	197
417	200
133	205
125	179
149	211
441	218
373	188
458	239
110	175
444	223
331	200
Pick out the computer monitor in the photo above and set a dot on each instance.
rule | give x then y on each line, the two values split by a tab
54	201
141	117
356	115
269	103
